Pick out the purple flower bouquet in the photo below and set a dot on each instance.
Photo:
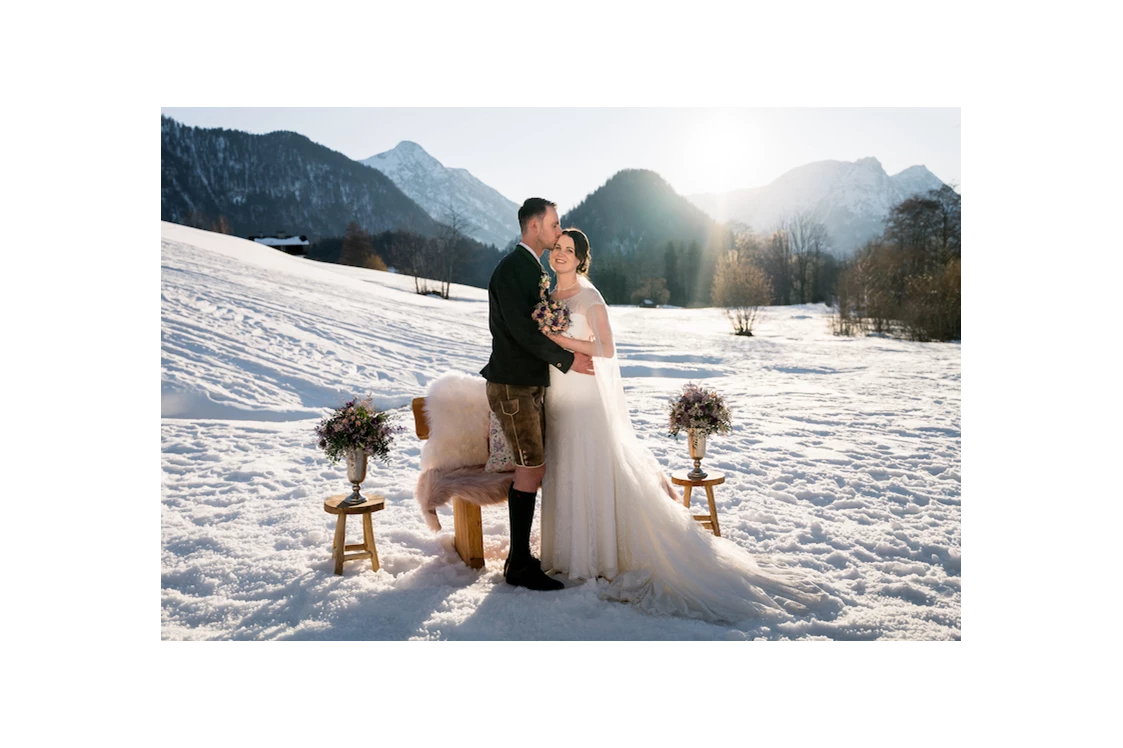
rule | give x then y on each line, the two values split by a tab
357	425
700	409
552	316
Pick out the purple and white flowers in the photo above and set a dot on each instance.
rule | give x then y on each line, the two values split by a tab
357	425
699	408
552	316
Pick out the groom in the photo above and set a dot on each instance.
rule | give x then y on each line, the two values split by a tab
518	374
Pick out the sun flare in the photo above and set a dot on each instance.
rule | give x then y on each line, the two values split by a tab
719	151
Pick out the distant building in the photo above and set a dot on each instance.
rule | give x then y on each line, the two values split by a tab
647	304
294	245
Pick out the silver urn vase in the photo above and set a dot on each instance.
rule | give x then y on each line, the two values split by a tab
697	441
356	473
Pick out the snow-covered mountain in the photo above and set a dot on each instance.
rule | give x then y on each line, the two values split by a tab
493	218
852	198
278	181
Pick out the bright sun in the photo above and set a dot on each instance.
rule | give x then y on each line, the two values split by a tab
718	151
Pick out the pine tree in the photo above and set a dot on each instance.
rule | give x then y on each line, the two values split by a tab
671	273
691	267
358	250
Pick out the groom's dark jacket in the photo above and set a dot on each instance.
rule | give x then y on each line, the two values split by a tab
520	353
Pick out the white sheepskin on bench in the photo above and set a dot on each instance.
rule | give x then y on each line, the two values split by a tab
453	458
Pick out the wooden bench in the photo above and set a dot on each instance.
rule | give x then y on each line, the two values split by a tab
468	532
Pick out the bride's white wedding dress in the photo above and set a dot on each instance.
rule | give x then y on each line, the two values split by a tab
606	510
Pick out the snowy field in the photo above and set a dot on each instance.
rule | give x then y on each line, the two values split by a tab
844	460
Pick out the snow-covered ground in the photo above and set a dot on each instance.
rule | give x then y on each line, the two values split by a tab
844	460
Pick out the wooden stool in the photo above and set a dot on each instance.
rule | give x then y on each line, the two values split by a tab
713	478
339	545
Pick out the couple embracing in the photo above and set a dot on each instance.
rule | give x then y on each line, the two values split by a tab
608	510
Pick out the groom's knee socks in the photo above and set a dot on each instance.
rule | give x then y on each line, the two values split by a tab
520	508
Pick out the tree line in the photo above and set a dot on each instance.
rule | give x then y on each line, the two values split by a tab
794	259
435	262
678	275
792	264
904	283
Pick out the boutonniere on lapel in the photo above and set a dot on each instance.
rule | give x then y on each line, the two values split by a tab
544	285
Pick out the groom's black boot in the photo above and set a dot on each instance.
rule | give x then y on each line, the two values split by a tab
522	569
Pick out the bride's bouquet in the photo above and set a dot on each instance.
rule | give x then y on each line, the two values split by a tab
552	316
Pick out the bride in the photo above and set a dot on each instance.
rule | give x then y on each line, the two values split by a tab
608	509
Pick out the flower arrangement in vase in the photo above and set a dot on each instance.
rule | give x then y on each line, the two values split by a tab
699	412
355	431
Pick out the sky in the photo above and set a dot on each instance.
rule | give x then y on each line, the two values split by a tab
245	543
565	154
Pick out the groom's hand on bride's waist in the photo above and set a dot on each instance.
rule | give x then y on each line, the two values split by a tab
582	363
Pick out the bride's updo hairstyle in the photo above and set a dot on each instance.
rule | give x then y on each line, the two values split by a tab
581	249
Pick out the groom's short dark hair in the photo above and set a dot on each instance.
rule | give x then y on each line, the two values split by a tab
532	208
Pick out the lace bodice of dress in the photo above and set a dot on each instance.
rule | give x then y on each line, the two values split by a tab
579	305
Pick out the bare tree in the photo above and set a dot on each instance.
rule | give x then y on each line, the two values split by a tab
448	248
423	260
824	268
809	241
949	226
749	247
850	308
777	264
926	228
418	258
865	299
742	289
931	310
